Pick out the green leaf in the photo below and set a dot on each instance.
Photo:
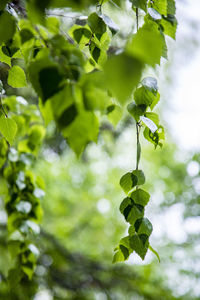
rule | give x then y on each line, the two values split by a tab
160	6
4	58
169	25
142	4
36	134
98	54
128	182
149	123
139	244
171	7
81	35
118	257
135	213
153	116
95	95
96	24
83	129
164	50
143	96
124	246
3	4
45	77
63	106
131	211
140	176
16	77
26	35
123	73
147	44
114	113
155	137
127	202
144	226
7	26
136	110
28	270
140	197
154	252
53	24
8	128
131	230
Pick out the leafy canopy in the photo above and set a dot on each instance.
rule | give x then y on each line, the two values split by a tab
79	77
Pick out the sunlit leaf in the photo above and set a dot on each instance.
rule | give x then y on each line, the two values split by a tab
17	77
8	128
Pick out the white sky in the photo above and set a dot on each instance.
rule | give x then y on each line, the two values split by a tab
183	117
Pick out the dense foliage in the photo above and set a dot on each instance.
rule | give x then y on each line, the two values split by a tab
83	71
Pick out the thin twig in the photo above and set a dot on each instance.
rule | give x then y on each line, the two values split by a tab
114	4
62	15
41	37
3	110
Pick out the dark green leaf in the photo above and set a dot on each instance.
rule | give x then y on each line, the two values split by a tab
131	230
140	176
26	35
169	25
45	77
155	137
144	226
96	24
81	35
4	57
143	96
7	26
127	202
171	7
135	213
139	244
3	4
136	110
